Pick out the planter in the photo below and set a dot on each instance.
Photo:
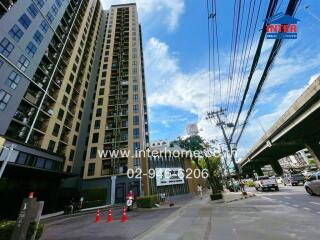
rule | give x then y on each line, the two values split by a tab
216	196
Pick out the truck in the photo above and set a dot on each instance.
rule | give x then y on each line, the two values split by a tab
293	178
265	183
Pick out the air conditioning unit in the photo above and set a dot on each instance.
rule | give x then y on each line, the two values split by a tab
55	55
31	112
22	131
50	111
25	120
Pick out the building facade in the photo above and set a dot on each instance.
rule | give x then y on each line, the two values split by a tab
71	79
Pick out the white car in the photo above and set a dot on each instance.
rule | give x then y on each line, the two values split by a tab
312	184
264	182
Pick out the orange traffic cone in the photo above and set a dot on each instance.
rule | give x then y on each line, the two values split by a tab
98	216
124	215
109	219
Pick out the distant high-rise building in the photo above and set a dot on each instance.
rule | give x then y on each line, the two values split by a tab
192	129
71	83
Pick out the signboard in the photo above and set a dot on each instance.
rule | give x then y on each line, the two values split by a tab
169	176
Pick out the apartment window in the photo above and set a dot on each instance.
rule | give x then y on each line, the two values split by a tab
103	82
96	124
135	108
44	26
31	49
71	155
33	11
13	80
58	2
40	3
91	168
51	145
135	88
98	112
80	115
25	21
6	47
38	37
23	63
16	33
93	152
54	9
50	17
64	101
100	101
136	133
135	120
135	98
136	146
95	137
134	70
77	126
60	114
68	88
56	129
134	78
4	99
74	140
101	91
74	68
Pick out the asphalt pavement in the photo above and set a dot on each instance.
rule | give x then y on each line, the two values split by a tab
290	214
293	196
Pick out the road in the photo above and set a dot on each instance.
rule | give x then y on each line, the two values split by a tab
294	196
290	214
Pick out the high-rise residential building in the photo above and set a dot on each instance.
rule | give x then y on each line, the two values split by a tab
71	84
119	116
192	129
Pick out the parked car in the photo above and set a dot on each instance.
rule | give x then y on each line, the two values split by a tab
265	182
293	178
312	184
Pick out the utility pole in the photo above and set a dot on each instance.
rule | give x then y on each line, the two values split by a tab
221	124
225	163
6	160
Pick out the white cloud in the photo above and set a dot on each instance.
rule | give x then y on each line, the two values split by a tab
170	11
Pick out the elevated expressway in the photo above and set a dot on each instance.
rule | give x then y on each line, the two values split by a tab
297	128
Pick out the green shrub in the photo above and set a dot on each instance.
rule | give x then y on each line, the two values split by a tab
6	229
32	229
249	183
216	196
147	201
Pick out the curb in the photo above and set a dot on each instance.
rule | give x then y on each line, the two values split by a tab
241	198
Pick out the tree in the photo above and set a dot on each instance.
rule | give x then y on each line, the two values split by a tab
211	163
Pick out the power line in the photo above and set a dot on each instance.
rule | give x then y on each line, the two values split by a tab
270	12
291	9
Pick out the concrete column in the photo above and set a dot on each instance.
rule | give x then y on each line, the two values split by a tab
258	170
113	189
314	149
276	167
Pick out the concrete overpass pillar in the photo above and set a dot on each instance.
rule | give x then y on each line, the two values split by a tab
276	167
314	149
258	170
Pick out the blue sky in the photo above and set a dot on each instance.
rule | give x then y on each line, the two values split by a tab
175	40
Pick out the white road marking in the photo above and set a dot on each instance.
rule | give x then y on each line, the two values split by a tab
314	203
318	212
287	197
286	202
305	208
295	205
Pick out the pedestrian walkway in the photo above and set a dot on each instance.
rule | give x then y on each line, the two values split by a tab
192	221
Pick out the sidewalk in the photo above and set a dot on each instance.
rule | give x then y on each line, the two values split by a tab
192	221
